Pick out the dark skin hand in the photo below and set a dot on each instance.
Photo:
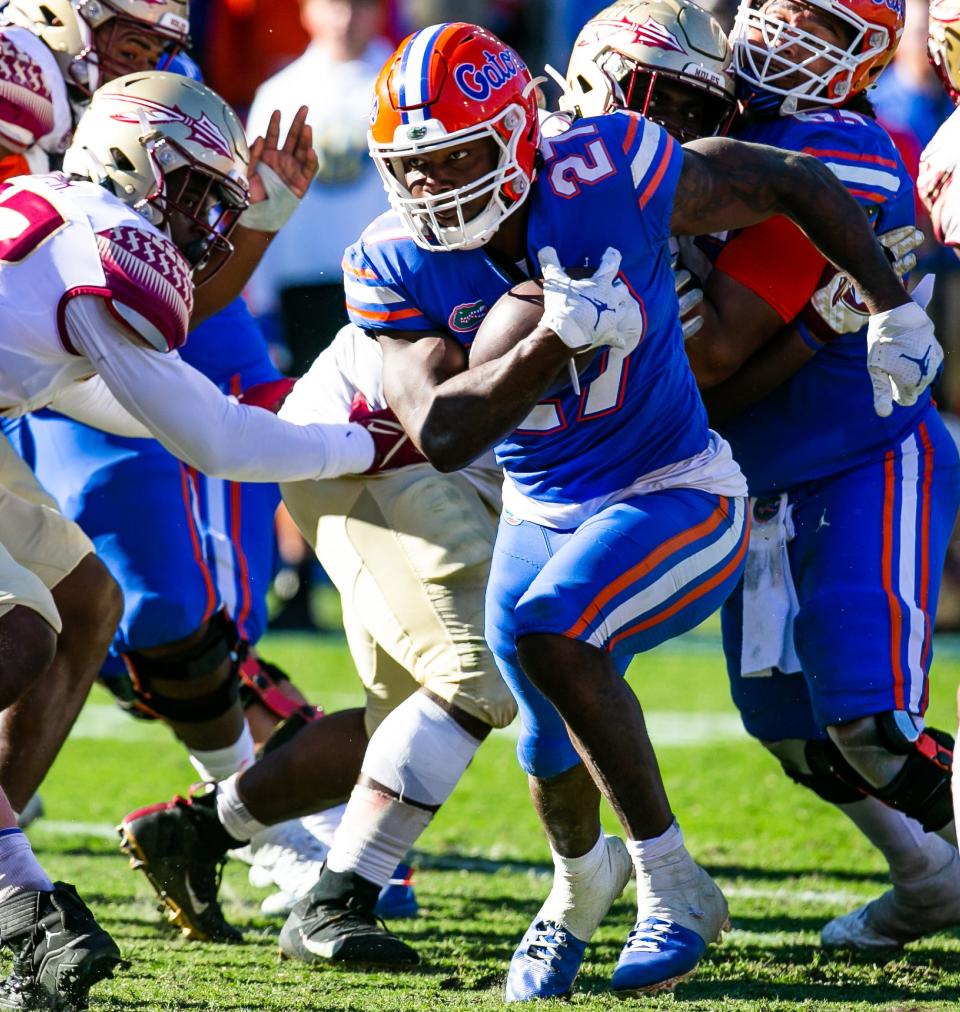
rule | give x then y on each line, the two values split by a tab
769	368
453	415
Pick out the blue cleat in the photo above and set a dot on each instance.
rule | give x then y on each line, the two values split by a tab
397	898
658	955
681	911
545	964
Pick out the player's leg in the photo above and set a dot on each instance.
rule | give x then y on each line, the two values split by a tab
590	869
629	578
867	585
62	950
34	726
411	553
410	556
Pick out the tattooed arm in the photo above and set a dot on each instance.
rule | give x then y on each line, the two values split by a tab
727	184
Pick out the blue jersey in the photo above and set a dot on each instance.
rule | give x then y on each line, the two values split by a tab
821	421
608	181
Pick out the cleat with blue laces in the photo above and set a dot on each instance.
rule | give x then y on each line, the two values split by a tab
548	958
545	964
680	911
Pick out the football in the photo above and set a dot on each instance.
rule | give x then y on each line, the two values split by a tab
512	318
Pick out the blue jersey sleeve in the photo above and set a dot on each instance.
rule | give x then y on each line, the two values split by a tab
377	294
856	149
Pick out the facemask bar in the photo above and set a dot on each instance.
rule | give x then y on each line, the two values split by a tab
419	214
778	58
634	87
214	207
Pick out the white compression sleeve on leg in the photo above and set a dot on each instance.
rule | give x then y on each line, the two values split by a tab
419	753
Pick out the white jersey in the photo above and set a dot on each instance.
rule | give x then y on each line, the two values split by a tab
351	365
60	240
91	291
35	115
939	181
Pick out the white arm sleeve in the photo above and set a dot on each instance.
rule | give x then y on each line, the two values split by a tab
199	424
92	403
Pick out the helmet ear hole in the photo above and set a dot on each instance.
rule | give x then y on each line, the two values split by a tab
121	161
51	19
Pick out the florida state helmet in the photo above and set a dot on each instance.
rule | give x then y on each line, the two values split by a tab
163	143
624	52
943	44
452	84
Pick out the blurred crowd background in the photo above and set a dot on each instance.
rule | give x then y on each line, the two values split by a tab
267	54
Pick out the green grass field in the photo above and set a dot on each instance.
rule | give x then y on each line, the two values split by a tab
785	860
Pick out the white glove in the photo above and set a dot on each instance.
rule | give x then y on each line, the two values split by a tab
272	214
838	302
588	312
689	298
903	354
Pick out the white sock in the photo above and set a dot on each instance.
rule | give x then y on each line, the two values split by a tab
19	869
234	815
644	852
585	887
375	835
910	851
418	754
324	824
219	763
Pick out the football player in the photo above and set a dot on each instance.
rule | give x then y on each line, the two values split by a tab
624	520
96	287
939	180
840	707
198	590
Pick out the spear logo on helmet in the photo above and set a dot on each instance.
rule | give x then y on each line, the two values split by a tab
647	33
203	130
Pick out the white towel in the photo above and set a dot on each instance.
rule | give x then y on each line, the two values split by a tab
769	597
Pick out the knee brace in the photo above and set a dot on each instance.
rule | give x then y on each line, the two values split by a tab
921	787
801	766
219	643
260	683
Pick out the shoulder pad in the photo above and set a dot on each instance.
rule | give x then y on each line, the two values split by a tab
149	284
26	98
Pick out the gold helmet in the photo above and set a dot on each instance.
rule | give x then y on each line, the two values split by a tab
88	58
943	44
623	53
166	145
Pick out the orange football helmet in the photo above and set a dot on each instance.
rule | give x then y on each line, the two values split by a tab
778	58
452	84
943	44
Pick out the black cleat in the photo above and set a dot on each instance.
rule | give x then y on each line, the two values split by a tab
60	951
181	847
335	922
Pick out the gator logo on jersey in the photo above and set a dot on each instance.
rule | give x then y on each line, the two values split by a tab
648	33
203	130
467	317
495	71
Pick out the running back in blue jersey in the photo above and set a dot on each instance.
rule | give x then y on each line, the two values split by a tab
822	421
608	181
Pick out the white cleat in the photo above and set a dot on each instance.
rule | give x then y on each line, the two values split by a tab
908	911
287	856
